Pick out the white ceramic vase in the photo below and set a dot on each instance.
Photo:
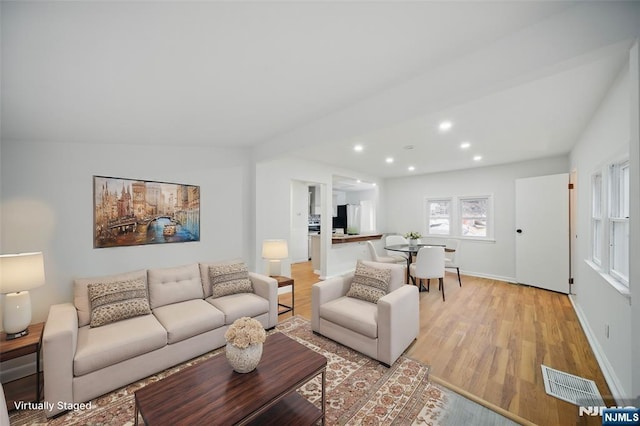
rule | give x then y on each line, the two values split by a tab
244	360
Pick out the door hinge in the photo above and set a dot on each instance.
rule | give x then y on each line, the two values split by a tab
570	280
570	186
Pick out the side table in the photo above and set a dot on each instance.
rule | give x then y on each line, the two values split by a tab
284	282
29	344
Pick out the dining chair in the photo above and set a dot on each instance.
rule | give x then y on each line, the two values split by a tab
429	264
384	259
391	240
450	259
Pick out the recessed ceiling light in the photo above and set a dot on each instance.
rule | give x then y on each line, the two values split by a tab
411	168
465	145
358	148
389	160
445	126
359	181
477	158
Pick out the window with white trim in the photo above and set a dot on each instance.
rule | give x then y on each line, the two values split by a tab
473	216
439	216
596	218
461	216
610	221
619	221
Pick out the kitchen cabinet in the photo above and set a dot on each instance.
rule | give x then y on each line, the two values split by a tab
314	251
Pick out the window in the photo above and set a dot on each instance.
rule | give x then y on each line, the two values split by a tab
596	218
439	217
473	214
610	221
619	221
459	216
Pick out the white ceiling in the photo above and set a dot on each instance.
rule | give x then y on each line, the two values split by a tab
311	79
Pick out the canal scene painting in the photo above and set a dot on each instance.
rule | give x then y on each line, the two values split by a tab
130	212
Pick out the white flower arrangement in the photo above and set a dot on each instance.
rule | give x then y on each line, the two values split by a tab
245	331
412	235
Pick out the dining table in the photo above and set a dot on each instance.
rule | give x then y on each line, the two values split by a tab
412	250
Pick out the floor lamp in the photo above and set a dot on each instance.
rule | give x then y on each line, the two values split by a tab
275	251
18	274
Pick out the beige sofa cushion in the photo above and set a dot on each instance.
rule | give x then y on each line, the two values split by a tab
173	285
81	291
187	319
353	314
204	273
240	305
101	347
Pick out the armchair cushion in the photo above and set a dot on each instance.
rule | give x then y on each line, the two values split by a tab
353	314
369	283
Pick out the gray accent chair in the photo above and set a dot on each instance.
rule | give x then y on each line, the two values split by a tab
382	331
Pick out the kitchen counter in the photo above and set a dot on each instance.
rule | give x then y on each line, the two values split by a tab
354	238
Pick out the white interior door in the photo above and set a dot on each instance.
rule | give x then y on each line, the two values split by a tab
542	232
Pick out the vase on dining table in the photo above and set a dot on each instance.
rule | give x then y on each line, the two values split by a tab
413	242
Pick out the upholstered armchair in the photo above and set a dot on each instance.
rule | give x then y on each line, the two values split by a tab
382	330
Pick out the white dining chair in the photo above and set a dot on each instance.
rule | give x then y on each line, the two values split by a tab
391	240
450	259
384	259
429	264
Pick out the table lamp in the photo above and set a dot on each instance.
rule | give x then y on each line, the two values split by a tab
274	251
18	274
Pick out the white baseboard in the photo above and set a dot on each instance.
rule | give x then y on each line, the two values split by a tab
488	276
617	391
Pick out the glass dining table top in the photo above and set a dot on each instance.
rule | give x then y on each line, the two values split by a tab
406	248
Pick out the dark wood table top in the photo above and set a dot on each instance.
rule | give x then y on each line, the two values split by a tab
213	393
10	349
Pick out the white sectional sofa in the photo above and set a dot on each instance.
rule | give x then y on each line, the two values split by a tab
189	310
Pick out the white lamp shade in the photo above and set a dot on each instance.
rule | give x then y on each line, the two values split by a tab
20	272
275	249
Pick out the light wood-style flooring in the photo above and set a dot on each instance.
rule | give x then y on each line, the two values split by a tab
489	338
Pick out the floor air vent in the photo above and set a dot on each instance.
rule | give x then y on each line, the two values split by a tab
570	388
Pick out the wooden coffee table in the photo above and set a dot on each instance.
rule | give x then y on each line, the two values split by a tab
212	393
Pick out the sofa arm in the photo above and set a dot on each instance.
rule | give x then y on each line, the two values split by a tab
324	292
267	288
398	322
59	342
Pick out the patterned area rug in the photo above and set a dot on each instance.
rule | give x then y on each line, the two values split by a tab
360	391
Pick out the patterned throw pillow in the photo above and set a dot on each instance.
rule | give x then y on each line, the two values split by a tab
231	278
369	283
115	301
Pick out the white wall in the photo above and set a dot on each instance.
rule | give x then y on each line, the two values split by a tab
273	207
634	218
405	211
47	205
605	139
